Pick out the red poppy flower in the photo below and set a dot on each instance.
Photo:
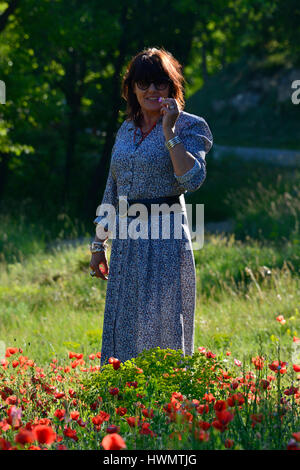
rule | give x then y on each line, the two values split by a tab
281	319
121	411
113	442
114	391
44	434
74	415
220	405
276	366
296	368
113	429
68	432
229	443
24	437
258	362
4	444
264	383
60	414
296	435
201	435
132	421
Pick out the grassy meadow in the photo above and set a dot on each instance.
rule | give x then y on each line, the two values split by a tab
50	304
238	391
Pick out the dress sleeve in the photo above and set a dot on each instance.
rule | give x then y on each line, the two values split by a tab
197	140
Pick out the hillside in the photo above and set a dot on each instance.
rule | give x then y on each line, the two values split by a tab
249	104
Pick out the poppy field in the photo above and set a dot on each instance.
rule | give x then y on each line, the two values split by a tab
239	390
159	400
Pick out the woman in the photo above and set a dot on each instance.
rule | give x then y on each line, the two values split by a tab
158	155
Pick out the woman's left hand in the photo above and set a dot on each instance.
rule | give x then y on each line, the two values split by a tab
170	111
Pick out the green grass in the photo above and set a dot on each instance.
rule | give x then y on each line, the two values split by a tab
50	305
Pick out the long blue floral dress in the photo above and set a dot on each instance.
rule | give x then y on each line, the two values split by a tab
151	287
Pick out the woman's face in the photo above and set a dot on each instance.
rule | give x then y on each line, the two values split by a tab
148	98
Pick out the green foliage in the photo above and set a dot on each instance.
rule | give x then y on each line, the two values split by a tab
158	373
269	212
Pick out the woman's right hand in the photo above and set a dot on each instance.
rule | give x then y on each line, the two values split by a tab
100	259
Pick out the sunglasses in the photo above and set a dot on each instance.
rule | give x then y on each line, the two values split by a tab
160	84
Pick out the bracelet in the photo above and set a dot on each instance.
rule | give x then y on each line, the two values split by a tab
172	142
97	247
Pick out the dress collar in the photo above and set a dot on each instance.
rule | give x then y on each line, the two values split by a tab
131	125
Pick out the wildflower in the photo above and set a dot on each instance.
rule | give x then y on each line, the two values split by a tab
74	415
237	362
175	434
81	423
296	368
291	391
258	362
60	414
148	413
228	353
4	444
132	384
71	433
209	397
204	425
24	437
113	429
296	435
220	405
202	350
276	366
256	418
14	414
44	434
229	443
201	435
115	362
114	391
72	393
113	442
121	411
11	351
264	383
281	319
132	421
234	384
99	419
145	429
295	339
210	355
292	445
224	416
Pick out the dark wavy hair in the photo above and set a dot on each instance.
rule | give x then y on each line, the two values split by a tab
151	64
